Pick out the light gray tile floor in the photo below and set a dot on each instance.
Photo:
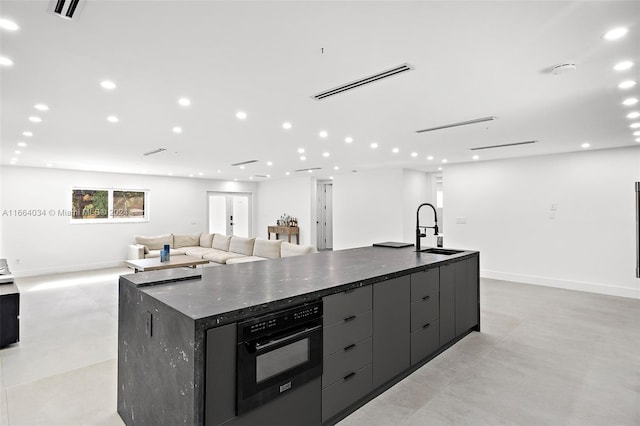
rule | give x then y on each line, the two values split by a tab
545	356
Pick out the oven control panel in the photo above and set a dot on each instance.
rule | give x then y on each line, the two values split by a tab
286	318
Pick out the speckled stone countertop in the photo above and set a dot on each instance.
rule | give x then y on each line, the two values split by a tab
233	292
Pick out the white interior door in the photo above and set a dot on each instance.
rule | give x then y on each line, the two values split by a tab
230	213
325	215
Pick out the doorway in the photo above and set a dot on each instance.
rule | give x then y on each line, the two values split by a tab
324	222
230	213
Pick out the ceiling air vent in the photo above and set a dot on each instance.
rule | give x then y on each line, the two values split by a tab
64	8
261	176
502	146
384	74
461	123
310	169
155	151
242	163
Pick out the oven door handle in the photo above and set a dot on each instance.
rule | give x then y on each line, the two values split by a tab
265	346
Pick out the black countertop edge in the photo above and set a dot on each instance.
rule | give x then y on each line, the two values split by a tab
202	324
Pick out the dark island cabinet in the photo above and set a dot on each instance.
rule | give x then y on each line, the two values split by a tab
391	329
467	304
425	314
347	349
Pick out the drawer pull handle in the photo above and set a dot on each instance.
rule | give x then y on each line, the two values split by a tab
426	325
426	298
351	318
349	376
351	346
351	290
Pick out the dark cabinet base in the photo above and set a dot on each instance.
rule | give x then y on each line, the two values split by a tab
9	313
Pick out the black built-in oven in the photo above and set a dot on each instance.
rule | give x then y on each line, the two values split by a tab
277	353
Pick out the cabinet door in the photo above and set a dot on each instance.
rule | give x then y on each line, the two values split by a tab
447	303
391	334
466	295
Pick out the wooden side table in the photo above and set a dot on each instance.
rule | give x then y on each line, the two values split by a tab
285	230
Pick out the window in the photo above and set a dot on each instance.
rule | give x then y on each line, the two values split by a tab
108	206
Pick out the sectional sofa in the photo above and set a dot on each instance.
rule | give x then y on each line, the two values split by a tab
216	248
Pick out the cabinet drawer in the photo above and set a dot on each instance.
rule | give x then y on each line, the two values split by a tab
424	341
346	391
425	283
339	306
425	310
341	334
341	363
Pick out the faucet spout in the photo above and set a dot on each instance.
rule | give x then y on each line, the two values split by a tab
418	227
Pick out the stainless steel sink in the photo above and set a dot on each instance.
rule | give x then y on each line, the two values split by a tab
446	252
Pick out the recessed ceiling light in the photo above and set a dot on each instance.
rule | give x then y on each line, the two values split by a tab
630	101
235	180
444	160
636	133
41	107
35	119
49	164
348	139
250	177
414	154
300	150
287	173
430	157
336	168
373	145
268	175
242	167
170	173
286	125
615	33
325	154
627	84
112	119
622	66
323	134
5	61
177	129
22	144
27	134
634	125
184	102
634	114
476	157
303	158
107	84
219	171
395	150
241	115
190	174
8	25
586	145
331	177
18	152
269	163
439	168
310	171
637	139
200	173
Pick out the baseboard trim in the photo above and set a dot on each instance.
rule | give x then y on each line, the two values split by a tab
565	284
69	268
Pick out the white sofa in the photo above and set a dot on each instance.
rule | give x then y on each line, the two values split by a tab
216	248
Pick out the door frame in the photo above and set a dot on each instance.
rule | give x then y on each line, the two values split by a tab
249	196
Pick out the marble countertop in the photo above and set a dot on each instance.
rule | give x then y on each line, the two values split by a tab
219	295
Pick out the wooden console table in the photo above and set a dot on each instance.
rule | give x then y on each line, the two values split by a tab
285	230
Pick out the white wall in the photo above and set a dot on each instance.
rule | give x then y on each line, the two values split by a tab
51	244
587	244
294	196
416	188
367	208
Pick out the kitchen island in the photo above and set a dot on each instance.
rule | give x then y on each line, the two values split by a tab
381	314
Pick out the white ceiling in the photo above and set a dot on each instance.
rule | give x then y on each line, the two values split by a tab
472	59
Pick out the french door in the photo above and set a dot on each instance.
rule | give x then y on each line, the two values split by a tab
230	213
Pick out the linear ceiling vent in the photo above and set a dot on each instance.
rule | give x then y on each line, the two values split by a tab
64	8
502	146
461	123
261	176
242	163
155	151
388	73
310	169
